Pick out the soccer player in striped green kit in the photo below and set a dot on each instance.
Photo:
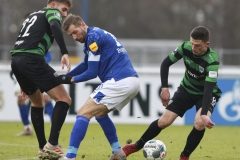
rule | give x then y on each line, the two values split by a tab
198	88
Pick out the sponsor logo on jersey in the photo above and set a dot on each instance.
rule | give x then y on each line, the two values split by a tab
120	50
194	75
93	47
212	74
201	69
56	14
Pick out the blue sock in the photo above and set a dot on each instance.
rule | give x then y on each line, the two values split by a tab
78	132
24	114
49	109
110	131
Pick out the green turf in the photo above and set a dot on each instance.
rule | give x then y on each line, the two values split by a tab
219	143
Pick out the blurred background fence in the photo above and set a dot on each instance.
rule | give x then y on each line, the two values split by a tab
149	30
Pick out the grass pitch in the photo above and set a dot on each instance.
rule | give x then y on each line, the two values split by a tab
219	143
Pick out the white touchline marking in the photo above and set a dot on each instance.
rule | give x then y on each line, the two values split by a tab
8	144
26	145
24	158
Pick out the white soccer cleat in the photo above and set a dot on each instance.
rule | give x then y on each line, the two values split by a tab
54	152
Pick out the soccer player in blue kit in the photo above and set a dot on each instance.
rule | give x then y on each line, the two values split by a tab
106	58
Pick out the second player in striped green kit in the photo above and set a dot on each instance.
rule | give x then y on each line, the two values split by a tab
197	88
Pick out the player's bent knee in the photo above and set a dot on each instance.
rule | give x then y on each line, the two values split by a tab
199	125
163	123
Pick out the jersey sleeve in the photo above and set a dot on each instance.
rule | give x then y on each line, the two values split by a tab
176	54
93	43
53	14
93	58
212	72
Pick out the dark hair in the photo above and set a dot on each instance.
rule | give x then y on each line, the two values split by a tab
200	33
68	2
71	19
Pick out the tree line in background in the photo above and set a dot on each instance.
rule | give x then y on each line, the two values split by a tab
139	19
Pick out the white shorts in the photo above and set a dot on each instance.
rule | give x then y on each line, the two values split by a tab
116	94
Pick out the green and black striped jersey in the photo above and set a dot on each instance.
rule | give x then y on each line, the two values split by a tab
198	68
36	35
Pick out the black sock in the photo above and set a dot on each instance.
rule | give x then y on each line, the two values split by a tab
38	124
58	117
152	131
194	138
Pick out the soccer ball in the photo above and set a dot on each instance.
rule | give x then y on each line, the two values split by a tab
154	150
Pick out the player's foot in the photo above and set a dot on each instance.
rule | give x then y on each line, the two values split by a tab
42	155
183	157
65	158
129	149
54	152
25	132
118	155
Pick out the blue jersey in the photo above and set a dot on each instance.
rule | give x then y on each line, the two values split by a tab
105	57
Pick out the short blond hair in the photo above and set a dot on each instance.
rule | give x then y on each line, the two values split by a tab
71	19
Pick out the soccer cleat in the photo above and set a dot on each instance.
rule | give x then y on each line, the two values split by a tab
42	155
118	155
25	132
65	158
183	157
55	152
129	149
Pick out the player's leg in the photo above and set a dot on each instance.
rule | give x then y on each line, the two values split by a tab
177	107
194	137
26	68
37	116
48	105
152	131
116	96
109	130
38	121
24	112
197	133
63	101
85	113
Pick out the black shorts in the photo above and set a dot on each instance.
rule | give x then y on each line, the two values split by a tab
32	73
183	101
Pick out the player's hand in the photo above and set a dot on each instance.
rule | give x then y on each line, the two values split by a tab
207	121
65	61
165	96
